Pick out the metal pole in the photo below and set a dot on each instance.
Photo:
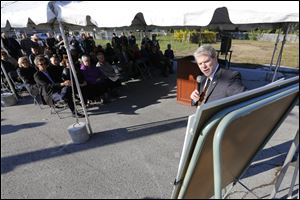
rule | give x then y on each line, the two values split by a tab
9	81
75	76
281	51
6	75
275	49
296	171
285	165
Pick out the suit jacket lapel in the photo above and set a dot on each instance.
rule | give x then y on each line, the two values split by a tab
214	82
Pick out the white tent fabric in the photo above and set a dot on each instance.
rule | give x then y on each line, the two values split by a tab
162	13
18	12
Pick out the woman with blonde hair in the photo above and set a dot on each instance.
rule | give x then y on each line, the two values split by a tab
26	72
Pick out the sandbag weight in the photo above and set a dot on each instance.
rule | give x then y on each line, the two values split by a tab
8	99
78	132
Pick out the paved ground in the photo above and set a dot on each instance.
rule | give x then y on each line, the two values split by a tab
134	152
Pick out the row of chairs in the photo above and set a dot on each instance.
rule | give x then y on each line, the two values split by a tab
20	87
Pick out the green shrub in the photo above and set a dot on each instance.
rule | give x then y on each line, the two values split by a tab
254	35
208	37
195	37
181	35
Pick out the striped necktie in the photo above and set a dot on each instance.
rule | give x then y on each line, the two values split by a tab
203	95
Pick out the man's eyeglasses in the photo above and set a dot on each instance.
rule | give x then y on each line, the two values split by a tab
42	64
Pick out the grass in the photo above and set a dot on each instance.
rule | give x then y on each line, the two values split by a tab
243	51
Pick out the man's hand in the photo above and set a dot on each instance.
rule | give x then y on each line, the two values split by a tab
195	95
66	83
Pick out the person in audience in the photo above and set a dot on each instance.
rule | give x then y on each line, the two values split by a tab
87	44
97	82
60	47
11	45
74	44
125	61
145	40
146	52
155	41
53	91
50	42
159	61
169	54
218	82
37	42
131	40
56	68
48	53
26	73
139	61
108	70
66	75
124	40
115	42
109	54
25	44
9	68
35	50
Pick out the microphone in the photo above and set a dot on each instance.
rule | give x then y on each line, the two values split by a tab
199	82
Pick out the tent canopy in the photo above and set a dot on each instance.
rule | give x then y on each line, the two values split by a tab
107	14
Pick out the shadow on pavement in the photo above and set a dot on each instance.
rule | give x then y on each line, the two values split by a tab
139	94
97	140
268	159
6	129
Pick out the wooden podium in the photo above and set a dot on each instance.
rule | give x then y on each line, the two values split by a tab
187	72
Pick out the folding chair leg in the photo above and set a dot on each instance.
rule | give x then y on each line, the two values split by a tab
141	72
36	102
54	111
248	189
285	165
296	171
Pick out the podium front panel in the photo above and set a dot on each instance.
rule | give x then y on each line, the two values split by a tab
187	72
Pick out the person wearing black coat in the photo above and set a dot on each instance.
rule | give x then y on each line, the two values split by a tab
26	73
218	82
53	91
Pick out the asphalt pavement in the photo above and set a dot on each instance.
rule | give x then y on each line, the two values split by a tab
133	153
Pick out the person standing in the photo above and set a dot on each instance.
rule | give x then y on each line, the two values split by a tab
217	82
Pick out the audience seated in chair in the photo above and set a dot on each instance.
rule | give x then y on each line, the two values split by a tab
125	61
108	70
52	91
10	69
66	75
97	82
56	68
35	50
26	73
158	60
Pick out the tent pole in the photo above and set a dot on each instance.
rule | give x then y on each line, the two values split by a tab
9	81
6	75
281	51
275	49
75	76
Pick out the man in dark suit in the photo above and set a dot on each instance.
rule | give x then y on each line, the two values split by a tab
218	82
53	91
